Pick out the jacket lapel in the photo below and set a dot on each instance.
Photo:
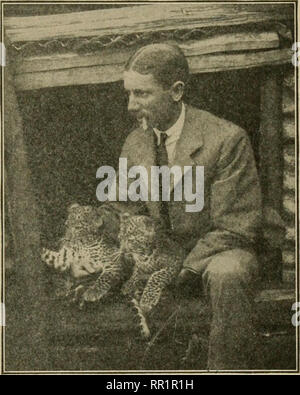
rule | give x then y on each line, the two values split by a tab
145	156
189	143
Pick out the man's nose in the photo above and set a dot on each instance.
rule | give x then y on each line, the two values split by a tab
133	104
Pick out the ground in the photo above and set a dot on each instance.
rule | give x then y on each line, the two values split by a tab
106	336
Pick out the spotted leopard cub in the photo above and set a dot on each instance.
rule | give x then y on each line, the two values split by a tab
154	263
84	250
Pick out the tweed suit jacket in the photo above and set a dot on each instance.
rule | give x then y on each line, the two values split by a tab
231	214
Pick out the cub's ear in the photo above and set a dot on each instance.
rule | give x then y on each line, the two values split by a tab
125	215
149	221
159	225
99	222
72	206
107	208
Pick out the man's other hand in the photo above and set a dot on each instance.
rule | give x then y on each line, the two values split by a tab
82	270
187	283
185	278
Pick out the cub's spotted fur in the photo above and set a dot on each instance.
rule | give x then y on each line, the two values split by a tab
142	245
155	265
83	246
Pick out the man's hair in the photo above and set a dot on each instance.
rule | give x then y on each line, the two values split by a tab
166	62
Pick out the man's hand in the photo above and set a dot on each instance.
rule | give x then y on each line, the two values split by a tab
187	284
83	270
185	278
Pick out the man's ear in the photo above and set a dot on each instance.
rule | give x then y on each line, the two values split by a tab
177	90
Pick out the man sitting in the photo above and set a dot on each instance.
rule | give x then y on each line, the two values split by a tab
219	239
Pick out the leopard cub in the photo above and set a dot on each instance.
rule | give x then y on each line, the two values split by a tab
155	265
83	250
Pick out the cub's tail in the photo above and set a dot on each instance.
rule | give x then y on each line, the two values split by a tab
57	260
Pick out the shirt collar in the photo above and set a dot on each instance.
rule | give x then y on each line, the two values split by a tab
175	130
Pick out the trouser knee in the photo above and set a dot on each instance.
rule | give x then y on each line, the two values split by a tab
234	267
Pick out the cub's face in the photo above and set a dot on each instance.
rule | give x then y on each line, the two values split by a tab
82	221
136	231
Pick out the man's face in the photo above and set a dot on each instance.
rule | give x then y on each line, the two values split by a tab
148	99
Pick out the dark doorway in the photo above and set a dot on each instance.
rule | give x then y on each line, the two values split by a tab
71	131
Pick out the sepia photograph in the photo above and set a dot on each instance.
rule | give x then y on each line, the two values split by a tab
149	189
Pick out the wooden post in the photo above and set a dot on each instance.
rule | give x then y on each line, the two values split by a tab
25	294
271	144
271	159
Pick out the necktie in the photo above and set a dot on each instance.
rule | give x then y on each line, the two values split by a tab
162	160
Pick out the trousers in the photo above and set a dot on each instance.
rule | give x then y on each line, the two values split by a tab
229	283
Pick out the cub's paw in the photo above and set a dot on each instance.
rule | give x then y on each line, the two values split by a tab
146	309
126	290
75	293
142	321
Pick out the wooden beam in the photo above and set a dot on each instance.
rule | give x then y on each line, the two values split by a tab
215	63
276	295
219	43
104	73
146	18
